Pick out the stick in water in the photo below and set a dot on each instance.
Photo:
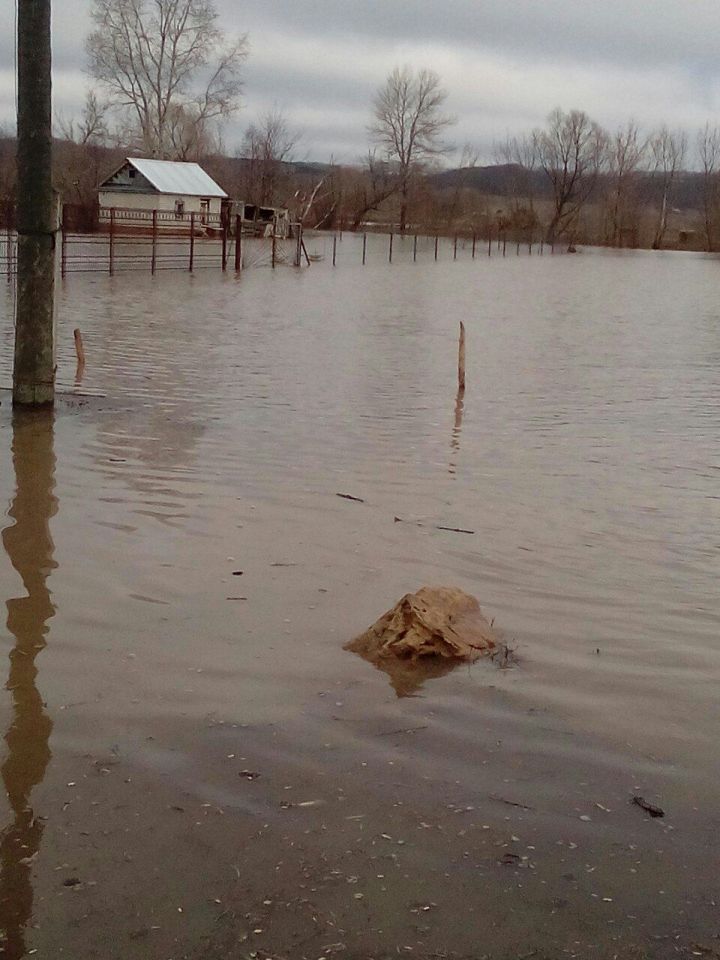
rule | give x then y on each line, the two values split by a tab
461	358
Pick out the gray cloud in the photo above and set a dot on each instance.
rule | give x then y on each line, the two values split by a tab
505	63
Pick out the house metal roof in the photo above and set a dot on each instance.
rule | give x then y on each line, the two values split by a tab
174	176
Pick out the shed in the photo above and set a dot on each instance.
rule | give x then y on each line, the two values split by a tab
174	188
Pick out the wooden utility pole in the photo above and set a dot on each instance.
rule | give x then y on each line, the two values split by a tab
34	367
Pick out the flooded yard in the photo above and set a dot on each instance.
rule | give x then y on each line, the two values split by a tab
195	769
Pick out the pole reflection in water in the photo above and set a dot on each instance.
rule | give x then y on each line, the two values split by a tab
457	430
29	546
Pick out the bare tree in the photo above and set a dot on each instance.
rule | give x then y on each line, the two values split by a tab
409	122
520	156
626	153
708	148
667	148
168	64
369	188
572	151
91	128
268	145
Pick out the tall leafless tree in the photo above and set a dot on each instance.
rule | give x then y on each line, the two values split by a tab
409	123
520	156
626	152
667	149
169	65
268	144
572	151
708	149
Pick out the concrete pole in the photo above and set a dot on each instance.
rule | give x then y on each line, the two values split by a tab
34	366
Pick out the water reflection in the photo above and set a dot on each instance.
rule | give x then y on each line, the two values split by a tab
457	429
29	546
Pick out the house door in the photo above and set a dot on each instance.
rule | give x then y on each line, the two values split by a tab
204	210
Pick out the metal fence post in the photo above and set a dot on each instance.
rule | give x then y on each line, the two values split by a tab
436	246
238	243
334	249
153	262
414	248
364	255
111	244
63	242
390	249
191	264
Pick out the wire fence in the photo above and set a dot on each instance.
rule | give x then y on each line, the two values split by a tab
154	241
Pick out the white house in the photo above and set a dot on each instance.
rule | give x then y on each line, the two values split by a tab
175	189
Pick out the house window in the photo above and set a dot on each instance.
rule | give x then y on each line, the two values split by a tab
179	208
131	173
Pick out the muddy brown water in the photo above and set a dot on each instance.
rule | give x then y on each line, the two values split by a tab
193	766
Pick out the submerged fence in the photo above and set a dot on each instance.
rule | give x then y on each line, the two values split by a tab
155	240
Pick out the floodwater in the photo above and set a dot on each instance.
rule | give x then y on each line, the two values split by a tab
195	768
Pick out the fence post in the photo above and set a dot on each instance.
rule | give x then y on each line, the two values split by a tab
63	242
490	242
111	245
224	242
436	246
473	246
334	249
364	256
542	244
414	248
191	264
455	248
390	250
238	242
153	262
273	255
504	242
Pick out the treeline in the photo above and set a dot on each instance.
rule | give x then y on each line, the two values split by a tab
633	205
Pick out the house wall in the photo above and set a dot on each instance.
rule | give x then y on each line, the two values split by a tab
154	201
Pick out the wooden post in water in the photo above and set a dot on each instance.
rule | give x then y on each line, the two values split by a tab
192	243
473	246
225	240
390	250
461	359
153	261
455	248
364	256
415	248
79	350
542	244
504	243
436	246
238	244
490	243
517	252
334	249
273	254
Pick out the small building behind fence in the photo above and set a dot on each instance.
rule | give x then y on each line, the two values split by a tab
177	190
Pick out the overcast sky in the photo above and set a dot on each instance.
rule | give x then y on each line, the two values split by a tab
505	63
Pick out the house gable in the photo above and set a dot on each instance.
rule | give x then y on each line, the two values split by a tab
128	180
